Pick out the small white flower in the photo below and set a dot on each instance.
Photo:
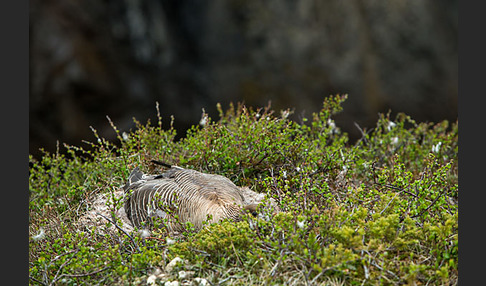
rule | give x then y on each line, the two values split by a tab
301	224
331	124
390	125
284	114
284	174
436	148
170	241
203	121
297	169
201	281
251	224
40	236
204	118
182	274
157	272
151	280
171	283
394	140
185	274
125	136
144	233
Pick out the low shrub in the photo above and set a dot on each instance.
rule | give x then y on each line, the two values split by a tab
382	210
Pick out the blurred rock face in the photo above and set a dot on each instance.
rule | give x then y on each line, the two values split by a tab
89	59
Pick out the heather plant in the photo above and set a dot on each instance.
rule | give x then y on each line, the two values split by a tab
381	210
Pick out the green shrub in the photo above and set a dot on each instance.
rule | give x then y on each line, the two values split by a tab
382	210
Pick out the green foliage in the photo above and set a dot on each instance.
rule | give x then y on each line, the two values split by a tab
382	210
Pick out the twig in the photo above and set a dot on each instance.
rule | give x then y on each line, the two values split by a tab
375	181
56	277
427	208
236	253
38	281
386	270
200	251
161	163
274	268
86	274
228	278
397	188
363	134
119	228
152	237
388	204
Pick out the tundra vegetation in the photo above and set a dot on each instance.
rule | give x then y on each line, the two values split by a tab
379	211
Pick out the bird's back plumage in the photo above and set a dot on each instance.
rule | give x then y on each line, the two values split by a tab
180	195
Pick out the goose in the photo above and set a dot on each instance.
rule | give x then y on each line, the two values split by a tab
179	196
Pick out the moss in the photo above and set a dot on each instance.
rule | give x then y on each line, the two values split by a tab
380	210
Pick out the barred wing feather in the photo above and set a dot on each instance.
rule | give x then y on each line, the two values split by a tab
179	196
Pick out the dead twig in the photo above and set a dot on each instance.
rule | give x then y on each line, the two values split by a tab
57	276
122	230
85	274
427	208
38	281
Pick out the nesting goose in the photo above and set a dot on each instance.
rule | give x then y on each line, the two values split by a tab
182	195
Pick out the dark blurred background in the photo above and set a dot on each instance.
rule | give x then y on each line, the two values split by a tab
92	58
